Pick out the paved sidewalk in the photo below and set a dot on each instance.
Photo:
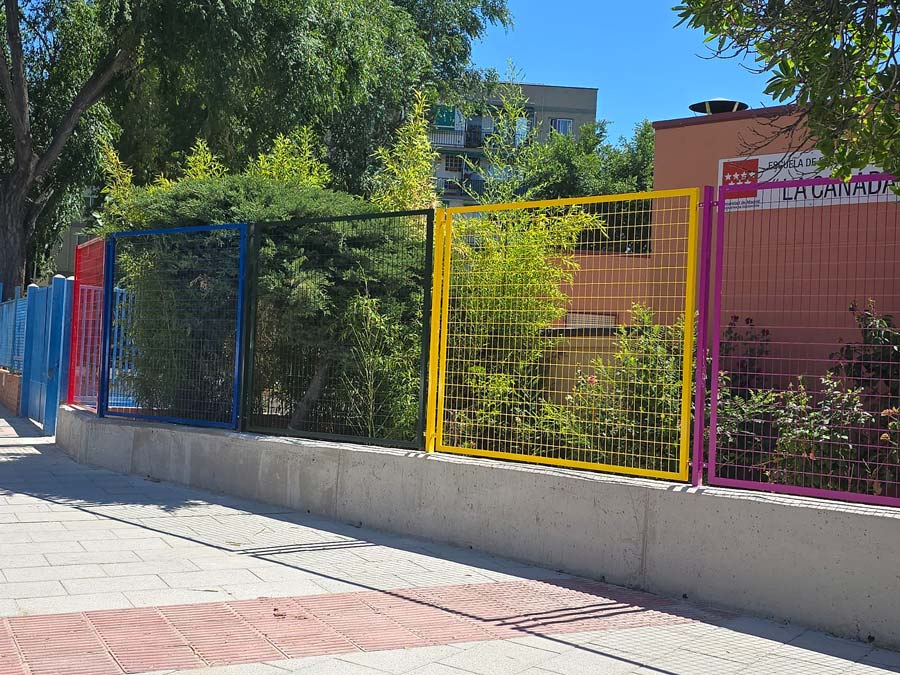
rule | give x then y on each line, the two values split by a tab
104	573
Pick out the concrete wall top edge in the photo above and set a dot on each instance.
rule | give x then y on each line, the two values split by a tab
704	492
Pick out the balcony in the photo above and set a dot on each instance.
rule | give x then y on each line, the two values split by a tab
447	138
472	137
453	187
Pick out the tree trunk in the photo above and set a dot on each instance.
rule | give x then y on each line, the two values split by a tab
311	396
13	241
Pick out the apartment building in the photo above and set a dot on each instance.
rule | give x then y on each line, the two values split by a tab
456	137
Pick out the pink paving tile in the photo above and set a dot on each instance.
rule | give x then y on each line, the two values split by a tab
142	640
63	644
431	623
292	629
10	659
219	636
190	636
359	622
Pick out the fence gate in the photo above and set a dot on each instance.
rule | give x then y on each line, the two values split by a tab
562	332
45	357
87	319
172	324
805	340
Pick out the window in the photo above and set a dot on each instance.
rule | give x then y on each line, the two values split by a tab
453	163
562	125
445	117
590	320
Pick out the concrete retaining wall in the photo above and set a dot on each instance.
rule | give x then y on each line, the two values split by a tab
10	389
828	565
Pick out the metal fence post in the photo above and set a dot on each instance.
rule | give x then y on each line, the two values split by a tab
66	348
109	263
13	328
425	355
435	331
57	301
30	304
239	340
715	332
702	329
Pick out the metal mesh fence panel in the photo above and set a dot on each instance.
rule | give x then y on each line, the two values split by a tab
173	315
18	355
806	347
7	333
87	319
340	310
566	332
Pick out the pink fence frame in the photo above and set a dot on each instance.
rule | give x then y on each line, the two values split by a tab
810	272
87	314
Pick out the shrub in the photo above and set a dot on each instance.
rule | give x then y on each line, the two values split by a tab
873	363
816	444
343	297
744	349
510	271
745	429
629	407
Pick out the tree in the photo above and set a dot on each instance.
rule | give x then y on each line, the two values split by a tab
56	61
406	178
509	273
836	60
590	165
236	73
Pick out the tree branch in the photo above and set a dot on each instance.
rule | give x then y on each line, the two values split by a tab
89	94
15	89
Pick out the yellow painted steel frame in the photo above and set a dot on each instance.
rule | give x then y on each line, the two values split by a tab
440	316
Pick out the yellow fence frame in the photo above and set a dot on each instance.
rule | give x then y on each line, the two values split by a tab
440	308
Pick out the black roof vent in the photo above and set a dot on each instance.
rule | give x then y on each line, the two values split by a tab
718	105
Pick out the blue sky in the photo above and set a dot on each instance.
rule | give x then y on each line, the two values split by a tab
641	64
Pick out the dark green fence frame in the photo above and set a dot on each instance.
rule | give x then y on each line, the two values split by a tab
262	233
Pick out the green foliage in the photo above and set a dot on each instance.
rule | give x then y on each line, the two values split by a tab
202	163
836	60
205	194
298	158
566	166
340	302
346	68
511	151
816	446
61	44
176	295
744	426
379	377
405	180
629	406
744	348
873	363
510	271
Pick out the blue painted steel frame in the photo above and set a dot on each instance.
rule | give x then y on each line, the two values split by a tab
108	283
106	326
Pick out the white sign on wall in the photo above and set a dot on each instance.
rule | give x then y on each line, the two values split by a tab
748	171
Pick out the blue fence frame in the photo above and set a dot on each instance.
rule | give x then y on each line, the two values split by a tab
44	328
110	306
12	331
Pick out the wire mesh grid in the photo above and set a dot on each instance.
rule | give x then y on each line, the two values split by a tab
12	333
87	320
7	333
340	310
806	346
173	320
563	337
